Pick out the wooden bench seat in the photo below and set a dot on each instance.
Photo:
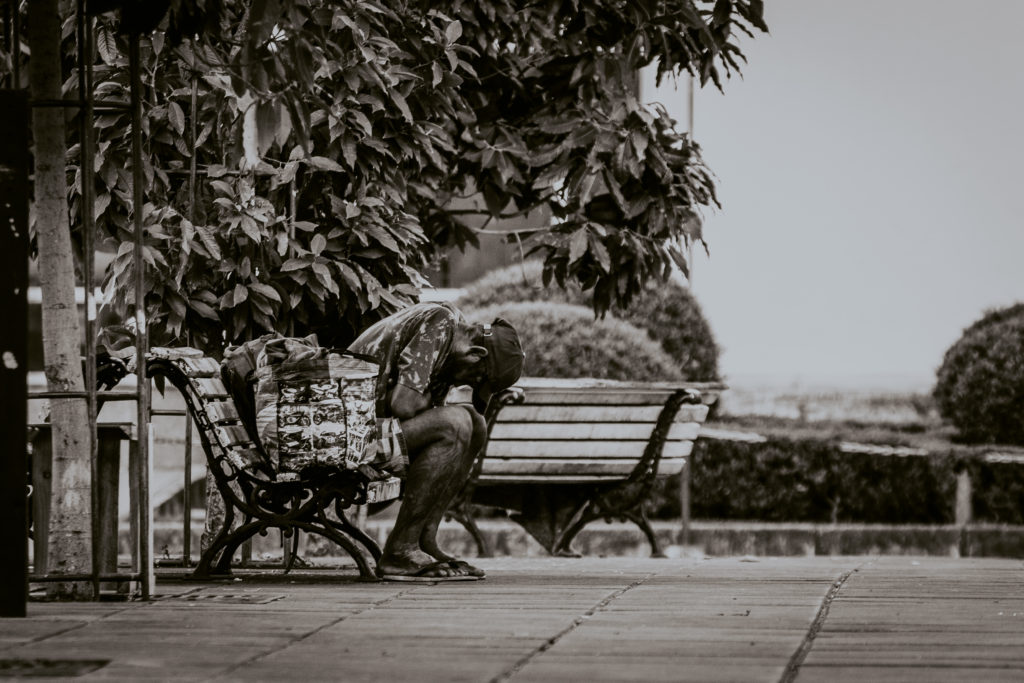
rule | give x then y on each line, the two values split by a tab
562	453
314	503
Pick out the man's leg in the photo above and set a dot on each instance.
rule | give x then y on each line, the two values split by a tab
428	537
439	442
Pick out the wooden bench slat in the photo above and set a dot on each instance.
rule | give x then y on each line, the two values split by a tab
232	435
598	397
210	388
589	430
202	366
485	479
383	489
221	411
583	451
568	466
610	413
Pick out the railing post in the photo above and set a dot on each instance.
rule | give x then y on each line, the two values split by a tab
962	510
684	501
963	498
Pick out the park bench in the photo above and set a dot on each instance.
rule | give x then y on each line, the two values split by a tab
250	488
563	453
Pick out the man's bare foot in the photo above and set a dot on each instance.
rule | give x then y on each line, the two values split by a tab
431	548
419	566
466	567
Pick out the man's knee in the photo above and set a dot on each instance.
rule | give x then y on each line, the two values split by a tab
457	427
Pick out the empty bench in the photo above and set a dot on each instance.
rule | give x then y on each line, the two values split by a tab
563	453
314	503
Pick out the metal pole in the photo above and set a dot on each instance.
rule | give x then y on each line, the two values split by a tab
85	211
684	479
186	493
16	50
689	133
141	345
8	39
14	192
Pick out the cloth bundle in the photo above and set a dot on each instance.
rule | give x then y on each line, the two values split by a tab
314	407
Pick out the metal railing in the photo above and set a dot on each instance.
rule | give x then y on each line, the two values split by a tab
87	106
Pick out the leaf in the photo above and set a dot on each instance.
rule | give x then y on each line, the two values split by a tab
223	187
598	250
453	31
251	229
385	239
351	278
680	261
723	8
204	310
106	45
317	244
266	291
348	151
266	125
325	164
209	241
176	303
176	117
402	105
495	199
577	245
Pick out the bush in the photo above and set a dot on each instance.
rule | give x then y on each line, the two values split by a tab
564	340
807	480
667	311
980	385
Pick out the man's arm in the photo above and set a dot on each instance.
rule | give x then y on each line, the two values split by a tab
406	402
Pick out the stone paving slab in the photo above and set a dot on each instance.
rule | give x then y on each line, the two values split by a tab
553	619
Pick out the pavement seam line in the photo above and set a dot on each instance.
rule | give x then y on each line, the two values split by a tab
69	629
550	642
304	636
797	660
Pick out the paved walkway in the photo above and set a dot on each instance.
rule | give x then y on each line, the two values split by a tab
546	619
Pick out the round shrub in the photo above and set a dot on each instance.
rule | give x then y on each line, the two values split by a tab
564	340
980	385
667	311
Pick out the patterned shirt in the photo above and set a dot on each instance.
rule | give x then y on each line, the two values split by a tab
413	347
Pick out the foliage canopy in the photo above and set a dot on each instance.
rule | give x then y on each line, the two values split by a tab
331	138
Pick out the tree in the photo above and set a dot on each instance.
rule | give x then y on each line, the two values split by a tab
69	549
370	118
331	139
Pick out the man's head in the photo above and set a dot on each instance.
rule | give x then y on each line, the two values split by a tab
489	357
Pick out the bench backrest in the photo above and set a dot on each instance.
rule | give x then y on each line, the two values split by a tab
566	433
225	439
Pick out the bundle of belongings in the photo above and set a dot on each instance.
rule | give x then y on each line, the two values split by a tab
310	407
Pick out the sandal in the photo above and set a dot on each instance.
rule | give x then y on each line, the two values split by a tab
428	574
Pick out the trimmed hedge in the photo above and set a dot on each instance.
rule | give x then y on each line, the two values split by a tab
784	480
667	311
979	387
564	340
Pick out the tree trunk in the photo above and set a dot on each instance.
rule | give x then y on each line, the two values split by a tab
70	535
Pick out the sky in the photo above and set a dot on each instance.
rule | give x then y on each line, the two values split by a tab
869	168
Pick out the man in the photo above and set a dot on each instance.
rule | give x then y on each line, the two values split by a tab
424	351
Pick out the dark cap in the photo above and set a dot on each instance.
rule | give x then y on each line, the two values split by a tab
504	361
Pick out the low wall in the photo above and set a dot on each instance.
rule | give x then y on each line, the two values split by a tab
705	538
